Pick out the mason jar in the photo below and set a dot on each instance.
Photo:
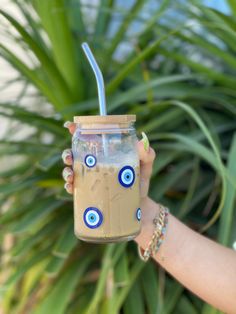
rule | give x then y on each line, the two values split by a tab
106	178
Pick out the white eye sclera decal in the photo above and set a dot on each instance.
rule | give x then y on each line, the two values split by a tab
93	217
126	176
90	161
138	214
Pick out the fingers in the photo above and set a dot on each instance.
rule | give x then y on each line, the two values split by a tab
69	187
146	161
68	175
147	156
67	157
71	126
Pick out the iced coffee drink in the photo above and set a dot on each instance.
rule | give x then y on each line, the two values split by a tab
106	182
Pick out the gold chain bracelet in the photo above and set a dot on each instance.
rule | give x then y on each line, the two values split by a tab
160	222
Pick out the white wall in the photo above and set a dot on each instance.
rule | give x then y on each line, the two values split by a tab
6	71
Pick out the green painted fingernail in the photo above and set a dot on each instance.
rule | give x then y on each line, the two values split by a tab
145	141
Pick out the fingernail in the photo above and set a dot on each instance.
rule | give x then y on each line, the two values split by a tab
66	185
67	124
66	173
65	154
145	141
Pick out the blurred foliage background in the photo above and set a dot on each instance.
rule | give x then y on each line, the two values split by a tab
172	63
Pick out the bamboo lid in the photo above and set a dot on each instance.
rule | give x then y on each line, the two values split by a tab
104	124
105	119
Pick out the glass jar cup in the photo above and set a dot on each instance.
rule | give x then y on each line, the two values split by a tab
106	179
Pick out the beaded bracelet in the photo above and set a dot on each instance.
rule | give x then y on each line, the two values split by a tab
160	222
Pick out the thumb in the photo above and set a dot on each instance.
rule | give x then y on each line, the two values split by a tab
147	156
71	126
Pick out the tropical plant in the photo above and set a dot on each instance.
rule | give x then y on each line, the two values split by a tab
173	65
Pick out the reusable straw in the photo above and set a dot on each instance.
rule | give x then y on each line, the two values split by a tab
99	79
100	86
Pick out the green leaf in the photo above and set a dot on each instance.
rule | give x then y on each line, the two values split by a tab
136	93
150	287
21	114
121	271
134	62
184	305
75	17
134	303
49	161
48	231
191	190
59	297
154	18
209	47
133	11
224	79
164	158
40	211
63	247
106	266
208	309
220	165
19	169
103	18
13	187
226	219
25	266
121	296
82	300
163	118
132	95
54	19
66	242
191	145
31	75
165	182
233	6
172	297
47	63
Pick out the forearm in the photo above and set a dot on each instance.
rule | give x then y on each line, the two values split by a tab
200	264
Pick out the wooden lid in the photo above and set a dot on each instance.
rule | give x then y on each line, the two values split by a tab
109	119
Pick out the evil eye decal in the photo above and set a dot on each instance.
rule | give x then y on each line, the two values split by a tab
138	214
93	217
90	161
126	176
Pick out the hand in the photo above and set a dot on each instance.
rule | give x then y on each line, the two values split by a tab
146	155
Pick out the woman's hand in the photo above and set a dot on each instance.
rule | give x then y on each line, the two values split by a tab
146	155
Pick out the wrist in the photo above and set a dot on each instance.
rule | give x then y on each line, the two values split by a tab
149	210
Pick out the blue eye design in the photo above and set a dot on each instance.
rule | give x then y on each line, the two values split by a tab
93	217
90	161
138	214
126	176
